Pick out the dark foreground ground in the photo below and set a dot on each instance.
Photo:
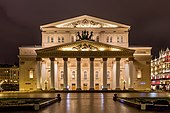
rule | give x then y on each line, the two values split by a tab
85	102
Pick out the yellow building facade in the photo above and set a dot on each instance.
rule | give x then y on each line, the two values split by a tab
84	53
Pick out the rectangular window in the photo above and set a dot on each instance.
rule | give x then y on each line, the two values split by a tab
118	39
72	38
52	39
31	73
14	73
108	74
121	38
48	39
107	40
62	74
58	39
85	75
62	39
97	39
110	39
73	74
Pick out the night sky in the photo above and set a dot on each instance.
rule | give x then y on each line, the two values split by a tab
20	21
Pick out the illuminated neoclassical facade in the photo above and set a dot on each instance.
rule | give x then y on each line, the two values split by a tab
84	53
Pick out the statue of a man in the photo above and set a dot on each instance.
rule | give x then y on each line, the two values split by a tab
78	34
91	34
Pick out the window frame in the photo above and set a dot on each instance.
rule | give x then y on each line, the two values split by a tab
59	40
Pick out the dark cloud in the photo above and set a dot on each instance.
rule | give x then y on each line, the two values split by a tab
20	20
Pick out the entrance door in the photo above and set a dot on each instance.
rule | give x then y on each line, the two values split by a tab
84	86
73	86
96	86
61	86
108	86
46	85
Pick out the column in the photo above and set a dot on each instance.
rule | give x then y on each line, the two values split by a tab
52	87
56	82
91	74
131	73
104	74
65	74
126	74
78	73
39	81
118	73
43	75
113	74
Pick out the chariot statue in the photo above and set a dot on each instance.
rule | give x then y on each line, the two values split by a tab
85	35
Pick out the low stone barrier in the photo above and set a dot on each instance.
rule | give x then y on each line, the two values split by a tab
143	105
25	104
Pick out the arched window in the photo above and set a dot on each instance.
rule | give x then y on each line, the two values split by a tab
108	74
85	75
52	39
62	75
139	73
97	38
31	73
72	38
97	75
62	39
107	40
110	39
58	39
73	74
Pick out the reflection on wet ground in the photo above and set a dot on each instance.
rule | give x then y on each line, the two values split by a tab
88	102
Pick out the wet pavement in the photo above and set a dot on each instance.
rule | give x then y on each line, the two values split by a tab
86	102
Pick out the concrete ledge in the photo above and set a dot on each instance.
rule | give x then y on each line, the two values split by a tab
144	105
104	89
65	89
17	104
91	89
88	91
78	89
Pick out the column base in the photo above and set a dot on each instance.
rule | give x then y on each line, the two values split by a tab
130	89
117	89
52	89
78	89
65	89
91	89
104	89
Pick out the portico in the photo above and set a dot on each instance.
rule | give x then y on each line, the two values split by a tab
111	52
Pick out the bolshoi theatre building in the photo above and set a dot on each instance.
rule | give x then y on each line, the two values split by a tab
84	53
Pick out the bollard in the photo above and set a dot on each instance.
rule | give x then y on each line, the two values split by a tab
36	106
115	97
143	106
58	97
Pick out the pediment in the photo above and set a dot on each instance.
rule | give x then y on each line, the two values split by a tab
84	21
85	46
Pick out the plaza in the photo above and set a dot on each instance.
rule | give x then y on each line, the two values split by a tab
85	102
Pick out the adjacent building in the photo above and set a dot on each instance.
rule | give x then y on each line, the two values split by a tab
84	53
9	77
160	71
